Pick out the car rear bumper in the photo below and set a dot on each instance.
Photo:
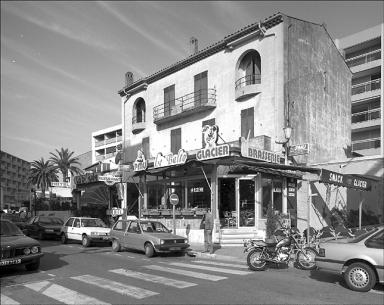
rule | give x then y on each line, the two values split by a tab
100	238
20	260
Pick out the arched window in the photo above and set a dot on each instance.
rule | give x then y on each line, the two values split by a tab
248	70
139	111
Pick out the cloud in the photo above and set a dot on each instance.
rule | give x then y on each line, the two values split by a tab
28	141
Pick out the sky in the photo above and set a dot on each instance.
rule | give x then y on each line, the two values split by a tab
63	62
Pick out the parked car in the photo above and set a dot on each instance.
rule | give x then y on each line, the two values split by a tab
15	218
85	229
44	227
18	249
359	259
146	235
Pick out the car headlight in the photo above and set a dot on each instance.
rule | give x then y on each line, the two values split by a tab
27	251
162	242
185	241
34	249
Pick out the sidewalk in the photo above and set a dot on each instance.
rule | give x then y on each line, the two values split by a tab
227	253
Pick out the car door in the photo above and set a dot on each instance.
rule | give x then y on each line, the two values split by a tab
133	236
76	229
375	249
119	230
66	229
30	227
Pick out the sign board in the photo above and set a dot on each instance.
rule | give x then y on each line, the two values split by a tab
171	159
125	167
140	163
345	180
254	153
61	184
174	199
85	179
212	150
300	149
115	212
109	180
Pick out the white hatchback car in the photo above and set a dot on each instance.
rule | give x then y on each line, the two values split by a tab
85	229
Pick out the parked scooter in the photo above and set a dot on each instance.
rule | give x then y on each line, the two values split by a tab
261	253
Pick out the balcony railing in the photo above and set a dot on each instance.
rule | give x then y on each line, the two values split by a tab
366	144
111	140
365	87
247	80
99	143
364	116
364	58
195	101
135	120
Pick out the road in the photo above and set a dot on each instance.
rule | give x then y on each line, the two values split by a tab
71	274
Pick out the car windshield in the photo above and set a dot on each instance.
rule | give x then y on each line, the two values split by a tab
153	226
9	229
93	222
362	236
50	221
11	217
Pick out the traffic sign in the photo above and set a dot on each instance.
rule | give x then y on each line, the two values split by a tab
174	199
299	149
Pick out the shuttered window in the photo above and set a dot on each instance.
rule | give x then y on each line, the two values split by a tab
210	122
145	146
201	88
169	99
247	122
175	140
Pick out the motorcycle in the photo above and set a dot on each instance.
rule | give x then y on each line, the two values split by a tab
280	252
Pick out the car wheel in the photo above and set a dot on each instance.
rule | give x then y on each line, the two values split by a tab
360	277
149	251
85	241
116	246
41	235
64	238
33	266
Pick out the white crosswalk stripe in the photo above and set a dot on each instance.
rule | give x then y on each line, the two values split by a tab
215	269
4	300
199	275
153	278
135	292
62	294
244	266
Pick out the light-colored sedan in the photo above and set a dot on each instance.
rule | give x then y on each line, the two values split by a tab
146	235
360	259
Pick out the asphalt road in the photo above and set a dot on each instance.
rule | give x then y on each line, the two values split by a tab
71	274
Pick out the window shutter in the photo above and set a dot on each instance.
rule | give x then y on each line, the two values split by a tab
175	140
247	122
145	147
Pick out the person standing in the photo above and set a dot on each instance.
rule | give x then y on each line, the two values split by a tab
208	228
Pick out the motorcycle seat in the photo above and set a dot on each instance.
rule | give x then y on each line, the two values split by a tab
266	244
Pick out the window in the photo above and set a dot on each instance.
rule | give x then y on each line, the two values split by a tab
145	147
201	88
376	241
77	223
120	226
133	227
199	194
210	122
175	140
169	100
139	111
247	122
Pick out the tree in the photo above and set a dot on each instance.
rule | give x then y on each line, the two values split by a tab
41	174
64	161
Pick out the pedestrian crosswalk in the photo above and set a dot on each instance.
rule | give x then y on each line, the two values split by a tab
125	282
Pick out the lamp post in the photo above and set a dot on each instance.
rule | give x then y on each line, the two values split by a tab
287	134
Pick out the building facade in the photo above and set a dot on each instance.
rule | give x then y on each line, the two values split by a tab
106	143
15	188
209	128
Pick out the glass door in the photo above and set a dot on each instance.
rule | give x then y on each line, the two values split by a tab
247	199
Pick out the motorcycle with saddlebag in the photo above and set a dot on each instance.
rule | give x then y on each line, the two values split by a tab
291	245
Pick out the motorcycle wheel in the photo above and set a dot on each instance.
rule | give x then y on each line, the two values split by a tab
306	259
255	261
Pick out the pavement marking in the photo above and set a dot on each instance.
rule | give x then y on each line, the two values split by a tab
135	292
62	294
221	264
222	270
4	300
154	278
199	275
376	291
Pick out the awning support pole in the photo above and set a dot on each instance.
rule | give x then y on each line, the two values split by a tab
206	179
141	195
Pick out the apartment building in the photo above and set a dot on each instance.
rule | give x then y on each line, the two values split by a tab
210	128
363	52
15	188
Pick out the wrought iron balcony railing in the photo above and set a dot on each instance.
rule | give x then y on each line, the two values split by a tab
365	87
247	80
364	58
364	116
136	119
193	101
366	144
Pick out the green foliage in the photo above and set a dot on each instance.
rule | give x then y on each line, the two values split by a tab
41	174
272	220
64	161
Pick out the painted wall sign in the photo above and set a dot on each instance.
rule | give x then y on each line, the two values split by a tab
350	181
300	149
86	178
212	150
140	163
171	159
254	153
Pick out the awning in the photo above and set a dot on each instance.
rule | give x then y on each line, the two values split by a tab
357	182
248	169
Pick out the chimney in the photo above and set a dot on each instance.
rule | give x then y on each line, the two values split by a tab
128	79
193	45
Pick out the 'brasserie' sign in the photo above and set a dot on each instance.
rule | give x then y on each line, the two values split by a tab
212	150
254	153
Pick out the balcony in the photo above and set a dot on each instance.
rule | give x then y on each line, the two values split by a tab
366	119
99	143
138	124
366	90
247	86
364	59
186	105
367	146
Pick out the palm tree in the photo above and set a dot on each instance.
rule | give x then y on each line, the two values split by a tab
64	161
41	174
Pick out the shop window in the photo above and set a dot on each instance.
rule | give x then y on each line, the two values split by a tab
247	122
175	140
267	196
169	100
199	194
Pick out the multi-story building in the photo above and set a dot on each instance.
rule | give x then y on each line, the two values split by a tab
210	128
15	188
363	52
106	143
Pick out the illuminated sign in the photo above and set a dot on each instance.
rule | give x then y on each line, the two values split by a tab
140	163
171	159
84	179
254	153
109	180
212	150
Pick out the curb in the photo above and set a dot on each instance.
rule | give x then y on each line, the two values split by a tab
212	256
